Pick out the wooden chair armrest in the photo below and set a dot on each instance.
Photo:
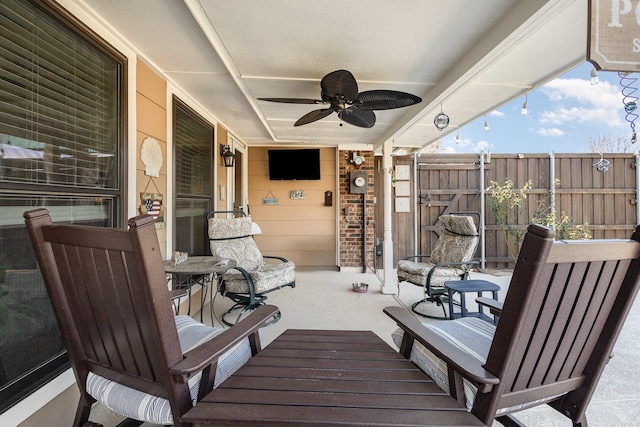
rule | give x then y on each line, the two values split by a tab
461	362
495	307
204	355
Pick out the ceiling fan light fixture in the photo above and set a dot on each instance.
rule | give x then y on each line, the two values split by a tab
339	89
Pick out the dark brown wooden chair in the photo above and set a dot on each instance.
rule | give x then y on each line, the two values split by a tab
126	347
564	309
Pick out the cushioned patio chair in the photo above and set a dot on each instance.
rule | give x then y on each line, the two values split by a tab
561	317
252	279
127	348
450	259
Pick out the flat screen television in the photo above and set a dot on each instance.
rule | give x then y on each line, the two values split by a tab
296	164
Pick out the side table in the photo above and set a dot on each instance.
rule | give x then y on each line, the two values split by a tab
464	286
198	270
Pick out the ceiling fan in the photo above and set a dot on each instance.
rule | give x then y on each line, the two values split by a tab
339	89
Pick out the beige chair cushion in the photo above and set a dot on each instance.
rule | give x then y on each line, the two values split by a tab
265	278
232	239
458	240
416	272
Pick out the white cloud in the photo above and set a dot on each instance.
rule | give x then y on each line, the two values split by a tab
447	150
464	142
599	104
481	146
550	132
496	113
466	145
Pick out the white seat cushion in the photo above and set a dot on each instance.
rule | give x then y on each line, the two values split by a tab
470	334
153	409
416	272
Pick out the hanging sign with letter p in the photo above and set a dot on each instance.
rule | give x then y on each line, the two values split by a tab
614	35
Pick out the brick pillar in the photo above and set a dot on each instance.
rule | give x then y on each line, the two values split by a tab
351	223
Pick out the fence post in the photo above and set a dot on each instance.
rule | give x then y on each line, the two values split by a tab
552	185
482	214
416	203
637	165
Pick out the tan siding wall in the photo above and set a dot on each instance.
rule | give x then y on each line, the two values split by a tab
301	230
151	117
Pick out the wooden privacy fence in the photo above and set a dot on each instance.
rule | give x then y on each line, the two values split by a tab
604	197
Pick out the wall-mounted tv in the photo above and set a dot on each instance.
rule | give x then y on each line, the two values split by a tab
297	164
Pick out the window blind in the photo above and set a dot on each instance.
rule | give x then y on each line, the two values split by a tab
59	108
62	104
194	139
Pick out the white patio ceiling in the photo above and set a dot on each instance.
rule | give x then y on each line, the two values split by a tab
464	56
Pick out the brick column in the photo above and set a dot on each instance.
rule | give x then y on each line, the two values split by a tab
351	223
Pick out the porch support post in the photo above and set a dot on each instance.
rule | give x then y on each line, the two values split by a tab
389	283
637	166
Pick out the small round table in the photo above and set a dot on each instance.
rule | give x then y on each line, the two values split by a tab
198	270
463	286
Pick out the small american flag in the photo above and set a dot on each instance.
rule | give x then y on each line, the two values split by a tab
153	207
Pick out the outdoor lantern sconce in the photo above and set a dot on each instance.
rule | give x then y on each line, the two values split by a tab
228	157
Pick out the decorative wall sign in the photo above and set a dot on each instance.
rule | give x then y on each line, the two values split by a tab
269	199
613	42
403	172
296	194
151	156
403	204
152	204
403	188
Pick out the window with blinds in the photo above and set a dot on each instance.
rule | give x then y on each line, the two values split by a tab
193	178
62	144
194	139
59	103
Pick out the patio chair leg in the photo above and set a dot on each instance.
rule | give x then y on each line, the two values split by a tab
437	301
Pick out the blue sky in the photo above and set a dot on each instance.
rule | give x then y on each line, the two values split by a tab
563	116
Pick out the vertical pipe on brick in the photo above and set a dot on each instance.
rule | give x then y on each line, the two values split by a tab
364	229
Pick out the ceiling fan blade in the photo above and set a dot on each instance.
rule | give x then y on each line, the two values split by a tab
385	99
357	117
340	82
313	116
293	100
